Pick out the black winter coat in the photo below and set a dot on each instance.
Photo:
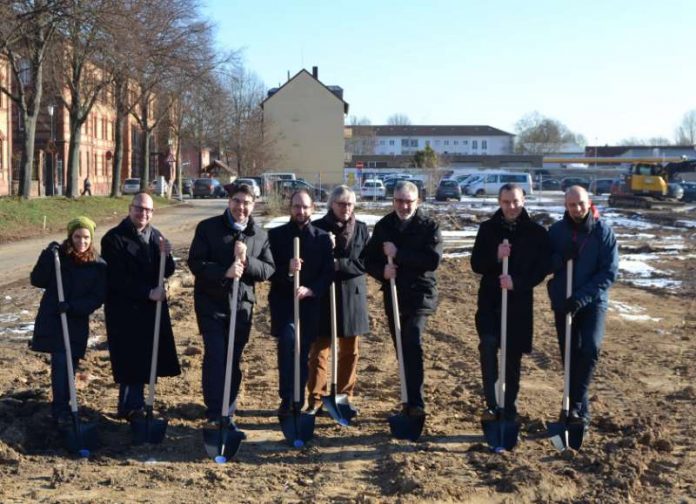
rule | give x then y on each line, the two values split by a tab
419	253
351	285
132	271
84	286
317	274
210	256
528	264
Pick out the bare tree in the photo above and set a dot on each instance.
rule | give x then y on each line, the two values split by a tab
686	132
537	134
657	141
83	66
398	120
26	33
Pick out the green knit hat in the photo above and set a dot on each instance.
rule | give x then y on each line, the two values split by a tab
81	222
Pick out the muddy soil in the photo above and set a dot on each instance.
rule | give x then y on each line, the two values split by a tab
641	447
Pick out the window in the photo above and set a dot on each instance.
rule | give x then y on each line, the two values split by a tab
414	142
404	142
437	142
484	144
25	71
465	142
381	142
391	142
491	179
96	166
446	142
79	163
456	142
474	144
427	143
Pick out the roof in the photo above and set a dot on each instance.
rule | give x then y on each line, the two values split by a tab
336	91
425	130
618	150
216	163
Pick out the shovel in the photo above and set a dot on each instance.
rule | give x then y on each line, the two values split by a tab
337	406
564	434
150	429
222	443
501	434
402	425
80	438
298	428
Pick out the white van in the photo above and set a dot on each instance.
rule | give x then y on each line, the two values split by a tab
489	183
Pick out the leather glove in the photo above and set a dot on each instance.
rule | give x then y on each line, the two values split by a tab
570	252
572	306
63	307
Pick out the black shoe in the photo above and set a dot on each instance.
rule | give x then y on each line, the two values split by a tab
416	411
63	421
132	414
489	415
284	410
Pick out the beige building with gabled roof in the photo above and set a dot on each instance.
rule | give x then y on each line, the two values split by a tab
305	120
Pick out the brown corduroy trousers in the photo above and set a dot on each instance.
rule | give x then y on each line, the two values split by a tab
320	368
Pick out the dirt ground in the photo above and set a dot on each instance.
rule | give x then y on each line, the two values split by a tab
641	447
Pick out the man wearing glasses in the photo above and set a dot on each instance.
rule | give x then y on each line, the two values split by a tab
227	247
132	253
414	242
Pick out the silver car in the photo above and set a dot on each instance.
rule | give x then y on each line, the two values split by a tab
130	186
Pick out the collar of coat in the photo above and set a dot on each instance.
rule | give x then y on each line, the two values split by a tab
248	230
128	227
586	226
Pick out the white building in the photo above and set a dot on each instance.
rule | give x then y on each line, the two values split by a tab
451	140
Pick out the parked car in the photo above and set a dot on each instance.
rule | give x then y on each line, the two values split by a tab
571	181
448	188
187	186
601	186
390	184
130	186
548	184
250	182
689	191
159	185
286	187
373	189
208	188
491	182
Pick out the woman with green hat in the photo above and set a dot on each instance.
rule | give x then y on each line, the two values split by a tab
84	285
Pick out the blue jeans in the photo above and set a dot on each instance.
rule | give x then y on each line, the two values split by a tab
130	397
60	405
215	360
286	364
587	334
412	327
488	350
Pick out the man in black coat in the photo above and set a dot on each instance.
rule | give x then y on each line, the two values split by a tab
226	247
414	242
348	237
132	253
315	268
529	255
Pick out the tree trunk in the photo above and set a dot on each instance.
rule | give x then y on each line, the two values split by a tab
118	156
26	168
73	189
145	175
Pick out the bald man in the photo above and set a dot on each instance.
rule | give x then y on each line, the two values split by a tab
581	236
132	254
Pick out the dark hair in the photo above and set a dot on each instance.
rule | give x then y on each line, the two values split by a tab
301	191
510	186
233	189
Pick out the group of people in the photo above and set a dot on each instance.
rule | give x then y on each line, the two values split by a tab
405	247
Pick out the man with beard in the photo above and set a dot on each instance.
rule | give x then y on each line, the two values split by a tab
414	242
587	240
528	253
315	268
132	254
224	248
348	237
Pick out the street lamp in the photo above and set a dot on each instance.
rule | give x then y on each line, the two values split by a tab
52	149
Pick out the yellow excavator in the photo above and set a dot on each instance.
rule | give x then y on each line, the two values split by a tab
650	185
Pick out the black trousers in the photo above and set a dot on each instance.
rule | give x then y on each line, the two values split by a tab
489	345
412	327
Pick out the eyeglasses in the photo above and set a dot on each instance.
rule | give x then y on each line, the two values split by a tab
139	208
344	204
241	202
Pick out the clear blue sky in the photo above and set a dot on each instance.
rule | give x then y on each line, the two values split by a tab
607	69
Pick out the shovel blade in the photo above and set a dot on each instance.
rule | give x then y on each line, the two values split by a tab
339	408
405	426
81	438
298	428
501	434
566	435
222	444
148	430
